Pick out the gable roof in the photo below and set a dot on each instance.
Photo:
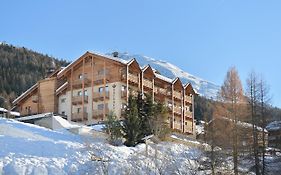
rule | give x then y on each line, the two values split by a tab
148	69
189	85
67	68
23	95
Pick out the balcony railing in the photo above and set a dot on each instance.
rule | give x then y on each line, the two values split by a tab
34	98
177	95
98	113
78	99
147	83
100	95
188	114
79	116
133	78
177	110
79	82
188	99
101	78
177	125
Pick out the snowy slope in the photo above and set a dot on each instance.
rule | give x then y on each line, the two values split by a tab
167	69
27	149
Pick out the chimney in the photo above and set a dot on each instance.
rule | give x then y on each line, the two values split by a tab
115	54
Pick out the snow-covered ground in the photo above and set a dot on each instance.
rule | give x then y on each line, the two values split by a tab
27	149
30	149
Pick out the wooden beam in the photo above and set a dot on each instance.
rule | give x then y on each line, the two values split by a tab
104	84
182	109
71	89
153	90
142	84
173	108
83	87
127	86
92	86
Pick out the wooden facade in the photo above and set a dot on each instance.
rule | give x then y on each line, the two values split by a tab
93	85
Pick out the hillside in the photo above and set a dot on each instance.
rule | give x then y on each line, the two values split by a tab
20	68
167	69
84	154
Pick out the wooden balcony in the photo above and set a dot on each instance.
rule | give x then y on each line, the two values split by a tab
177	95
187	99
34	98
78	82
188	115
101	79
133	78
177	110
162	91
147	83
78	100
99	96
98	113
177	125
79	116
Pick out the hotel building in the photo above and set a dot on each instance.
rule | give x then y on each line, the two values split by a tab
93	85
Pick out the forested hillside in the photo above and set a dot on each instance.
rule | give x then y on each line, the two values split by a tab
20	68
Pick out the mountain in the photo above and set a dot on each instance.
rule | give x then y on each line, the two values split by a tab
20	68
167	69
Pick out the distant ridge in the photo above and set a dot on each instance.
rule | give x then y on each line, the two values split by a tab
167	69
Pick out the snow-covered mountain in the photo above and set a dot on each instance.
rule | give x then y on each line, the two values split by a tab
167	69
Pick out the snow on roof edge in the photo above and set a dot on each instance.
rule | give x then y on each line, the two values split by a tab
61	87
23	94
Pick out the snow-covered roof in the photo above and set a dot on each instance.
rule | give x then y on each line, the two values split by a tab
3	110
163	78
96	53
62	87
25	93
31	117
14	113
273	126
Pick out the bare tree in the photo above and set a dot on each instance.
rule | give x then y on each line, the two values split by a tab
232	94
264	100
252	83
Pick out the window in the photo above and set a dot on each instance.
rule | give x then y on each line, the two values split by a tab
79	93
123	106
85	93
100	106
78	110
123	88
63	100
63	112
80	76
100	89
170	104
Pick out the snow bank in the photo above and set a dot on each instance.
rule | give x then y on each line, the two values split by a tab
273	126
28	149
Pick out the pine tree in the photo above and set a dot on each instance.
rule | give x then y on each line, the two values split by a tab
114	129
159	121
148	108
132	124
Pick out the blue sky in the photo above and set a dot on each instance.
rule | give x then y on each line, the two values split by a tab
203	38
